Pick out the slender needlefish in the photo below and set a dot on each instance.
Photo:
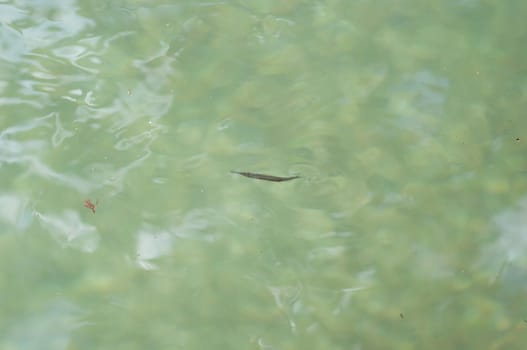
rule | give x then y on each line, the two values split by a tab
265	177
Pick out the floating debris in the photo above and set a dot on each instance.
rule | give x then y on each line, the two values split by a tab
88	204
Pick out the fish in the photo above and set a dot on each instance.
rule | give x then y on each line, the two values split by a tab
265	177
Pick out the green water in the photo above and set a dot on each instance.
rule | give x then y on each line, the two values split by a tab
405	120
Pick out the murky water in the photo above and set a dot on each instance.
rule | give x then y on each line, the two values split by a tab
405	121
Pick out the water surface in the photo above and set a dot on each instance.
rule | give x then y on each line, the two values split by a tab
405	121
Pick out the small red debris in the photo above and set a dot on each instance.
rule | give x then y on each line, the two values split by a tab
88	204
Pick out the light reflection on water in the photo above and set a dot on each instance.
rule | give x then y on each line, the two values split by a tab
49	327
68	230
511	243
407	202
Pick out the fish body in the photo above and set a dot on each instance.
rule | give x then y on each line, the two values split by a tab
265	177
